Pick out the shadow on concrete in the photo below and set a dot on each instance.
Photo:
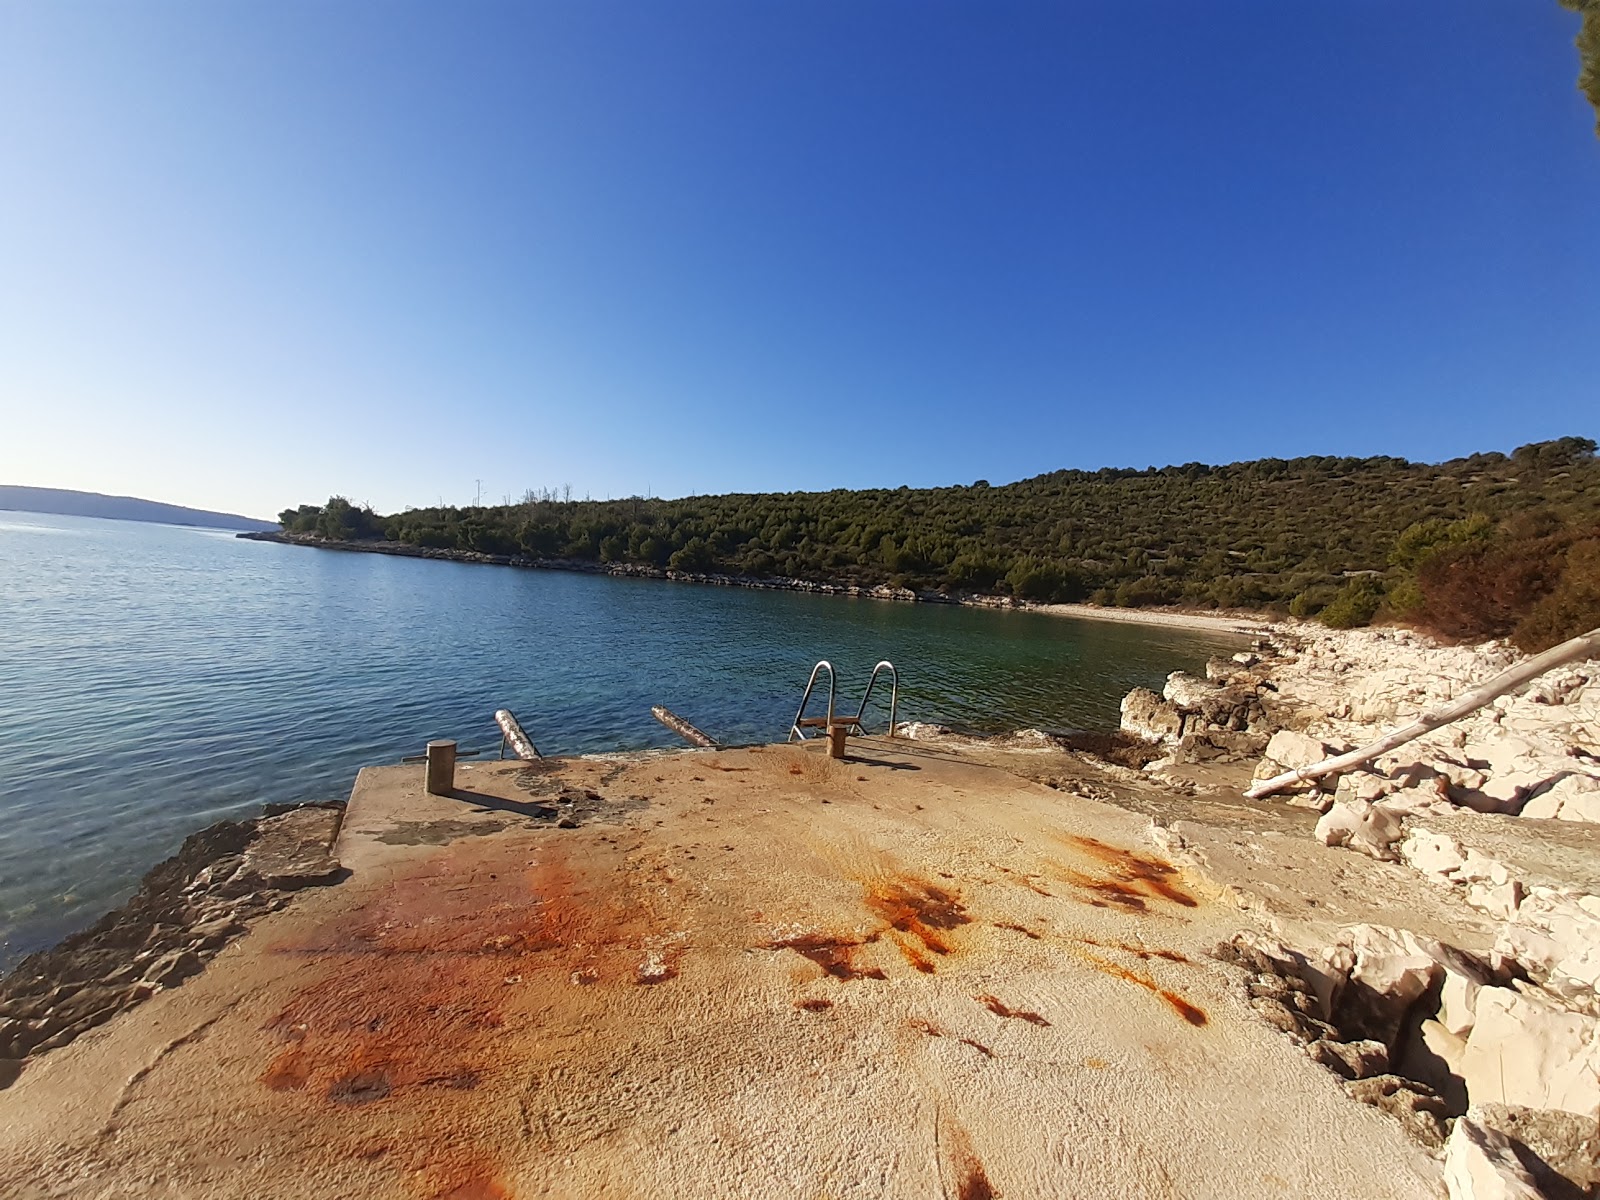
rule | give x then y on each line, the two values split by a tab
487	803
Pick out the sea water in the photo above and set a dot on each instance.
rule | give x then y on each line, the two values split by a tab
154	679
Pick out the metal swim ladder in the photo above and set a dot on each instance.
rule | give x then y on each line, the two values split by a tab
802	722
894	696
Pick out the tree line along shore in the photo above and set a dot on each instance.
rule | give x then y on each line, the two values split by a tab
1491	545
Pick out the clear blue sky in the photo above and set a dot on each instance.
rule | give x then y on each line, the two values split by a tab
251	254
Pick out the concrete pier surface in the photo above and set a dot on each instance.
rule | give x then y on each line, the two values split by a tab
728	973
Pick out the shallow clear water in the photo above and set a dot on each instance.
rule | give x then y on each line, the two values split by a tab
154	679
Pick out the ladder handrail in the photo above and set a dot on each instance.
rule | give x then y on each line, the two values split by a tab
794	729
894	695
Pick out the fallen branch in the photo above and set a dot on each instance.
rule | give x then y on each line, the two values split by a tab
1584	646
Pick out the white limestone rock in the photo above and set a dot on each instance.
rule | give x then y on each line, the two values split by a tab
1288	750
1572	796
1188	691
1147	715
1363	785
1437	855
1500	901
1362	827
1458	1000
1384	972
1556	935
1525	1050
1416	801
1480	1164
1431	1054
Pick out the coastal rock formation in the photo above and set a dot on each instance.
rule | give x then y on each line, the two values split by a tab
185	911
1560	1150
1481	1164
1514	1034
1222	718
1536	754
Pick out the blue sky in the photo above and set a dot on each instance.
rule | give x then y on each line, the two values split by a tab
254	254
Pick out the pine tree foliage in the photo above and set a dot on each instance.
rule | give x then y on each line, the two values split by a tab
1244	535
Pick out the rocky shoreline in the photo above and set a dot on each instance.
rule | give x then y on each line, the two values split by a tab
1489	1052
187	909
1184	619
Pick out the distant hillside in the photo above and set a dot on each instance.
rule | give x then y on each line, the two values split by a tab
1245	535
64	502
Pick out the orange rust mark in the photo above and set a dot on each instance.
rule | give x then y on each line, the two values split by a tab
919	910
796	769
1182	1007
359	1087
995	1005
912	955
974	1184
1143	952
1133	873
835	955
289	1072
971	1183
978	1046
422	977
1026	881
814	1005
923	1025
1015	928
1096	1064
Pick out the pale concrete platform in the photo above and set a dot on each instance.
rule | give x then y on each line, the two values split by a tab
738	973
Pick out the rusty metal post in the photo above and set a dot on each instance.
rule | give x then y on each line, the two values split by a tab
682	728
511	732
836	735
441	767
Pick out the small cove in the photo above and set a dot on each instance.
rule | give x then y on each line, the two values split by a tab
154	679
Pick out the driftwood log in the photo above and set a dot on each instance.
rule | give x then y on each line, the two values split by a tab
682	728
1584	646
520	743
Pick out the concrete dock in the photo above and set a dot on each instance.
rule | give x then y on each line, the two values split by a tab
728	973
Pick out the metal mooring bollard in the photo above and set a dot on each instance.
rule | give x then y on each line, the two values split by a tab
836	736
441	767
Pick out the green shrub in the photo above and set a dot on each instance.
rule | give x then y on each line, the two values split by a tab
1313	600
1355	605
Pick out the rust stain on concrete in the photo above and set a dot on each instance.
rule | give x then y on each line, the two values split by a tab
434	973
1130	879
1189	1012
919	915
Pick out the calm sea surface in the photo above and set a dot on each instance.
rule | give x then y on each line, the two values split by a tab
154	679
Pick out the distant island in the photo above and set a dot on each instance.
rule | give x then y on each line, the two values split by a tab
68	503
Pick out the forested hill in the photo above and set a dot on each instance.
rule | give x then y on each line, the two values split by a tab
1250	534
66	502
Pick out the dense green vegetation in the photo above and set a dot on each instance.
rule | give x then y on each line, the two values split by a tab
1588	43
1313	535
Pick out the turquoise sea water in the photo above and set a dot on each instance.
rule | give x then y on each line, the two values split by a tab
154	679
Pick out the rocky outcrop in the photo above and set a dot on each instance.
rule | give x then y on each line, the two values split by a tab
1224	717
1561	1151
185	911
1437	1037
1535	754
1371	829
1481	1164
